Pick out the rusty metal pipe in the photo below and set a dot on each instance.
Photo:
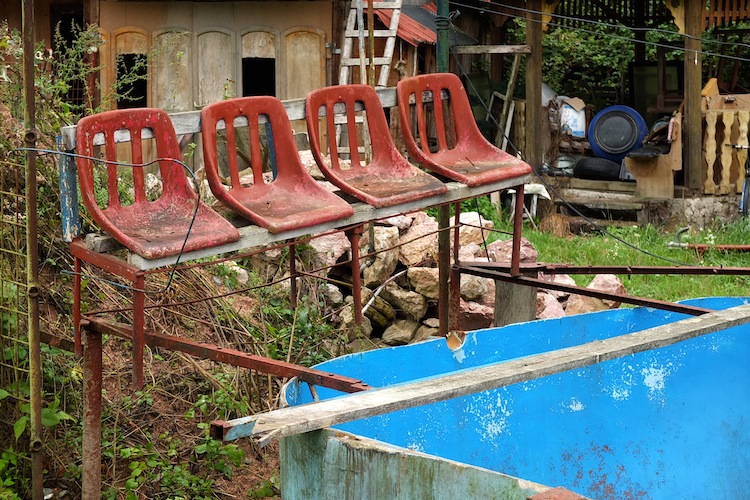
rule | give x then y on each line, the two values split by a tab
531	268
139	325
455	277
231	356
354	234
628	299
91	480
444	262
77	305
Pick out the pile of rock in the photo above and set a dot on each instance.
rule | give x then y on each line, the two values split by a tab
400	279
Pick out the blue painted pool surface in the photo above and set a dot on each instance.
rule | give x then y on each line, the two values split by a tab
668	423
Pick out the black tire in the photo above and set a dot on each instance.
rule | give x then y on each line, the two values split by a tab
745	198
598	169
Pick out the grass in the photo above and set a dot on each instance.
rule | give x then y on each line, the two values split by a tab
651	250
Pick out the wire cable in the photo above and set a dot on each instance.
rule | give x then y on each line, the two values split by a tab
617	37
102	162
603	24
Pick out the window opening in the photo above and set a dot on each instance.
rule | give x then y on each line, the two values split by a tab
132	81
258	76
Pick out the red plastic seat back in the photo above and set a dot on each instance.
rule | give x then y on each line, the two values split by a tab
354	99
153	227
461	153
454	124
293	199
246	135
387	178
132	121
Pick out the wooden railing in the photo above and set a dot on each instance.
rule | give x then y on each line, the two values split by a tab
726	121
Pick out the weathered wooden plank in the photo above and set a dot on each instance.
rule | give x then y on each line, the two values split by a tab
493	49
254	236
574	183
354	61
188	122
375	33
299	419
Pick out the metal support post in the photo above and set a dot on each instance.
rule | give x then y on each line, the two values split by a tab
444	263
455	274
515	258
77	305
139	326
354	234
92	416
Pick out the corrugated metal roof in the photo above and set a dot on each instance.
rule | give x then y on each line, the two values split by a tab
417	26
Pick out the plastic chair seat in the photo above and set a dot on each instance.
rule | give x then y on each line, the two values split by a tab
388	179
293	200
471	159
151	229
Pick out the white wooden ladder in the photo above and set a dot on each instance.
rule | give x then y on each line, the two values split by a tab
351	36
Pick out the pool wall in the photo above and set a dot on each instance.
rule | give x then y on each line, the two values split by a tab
667	423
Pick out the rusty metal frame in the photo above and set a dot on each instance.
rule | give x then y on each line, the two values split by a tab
232	357
501	272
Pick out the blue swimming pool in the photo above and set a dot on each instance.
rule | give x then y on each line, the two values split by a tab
666	423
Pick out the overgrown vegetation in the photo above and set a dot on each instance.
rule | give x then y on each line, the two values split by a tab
592	62
633	245
155	440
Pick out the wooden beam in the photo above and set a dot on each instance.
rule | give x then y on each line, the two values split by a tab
299	419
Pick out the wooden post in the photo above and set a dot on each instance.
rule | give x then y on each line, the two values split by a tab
692	136
91	476
534	84
514	303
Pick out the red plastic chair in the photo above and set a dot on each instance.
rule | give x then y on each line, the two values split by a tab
462	153
150	228
293	199
388	179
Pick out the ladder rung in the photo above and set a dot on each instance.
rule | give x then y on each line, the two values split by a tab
376	33
354	61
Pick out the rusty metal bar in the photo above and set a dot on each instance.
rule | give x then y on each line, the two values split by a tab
103	261
77	305
454	314
139	326
232	357
444	263
293	275
515	258
91	481
628	299
628	270
702	248
354	234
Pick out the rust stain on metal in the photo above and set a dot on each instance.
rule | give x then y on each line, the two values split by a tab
234	357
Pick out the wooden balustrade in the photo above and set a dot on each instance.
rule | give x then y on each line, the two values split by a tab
726	119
